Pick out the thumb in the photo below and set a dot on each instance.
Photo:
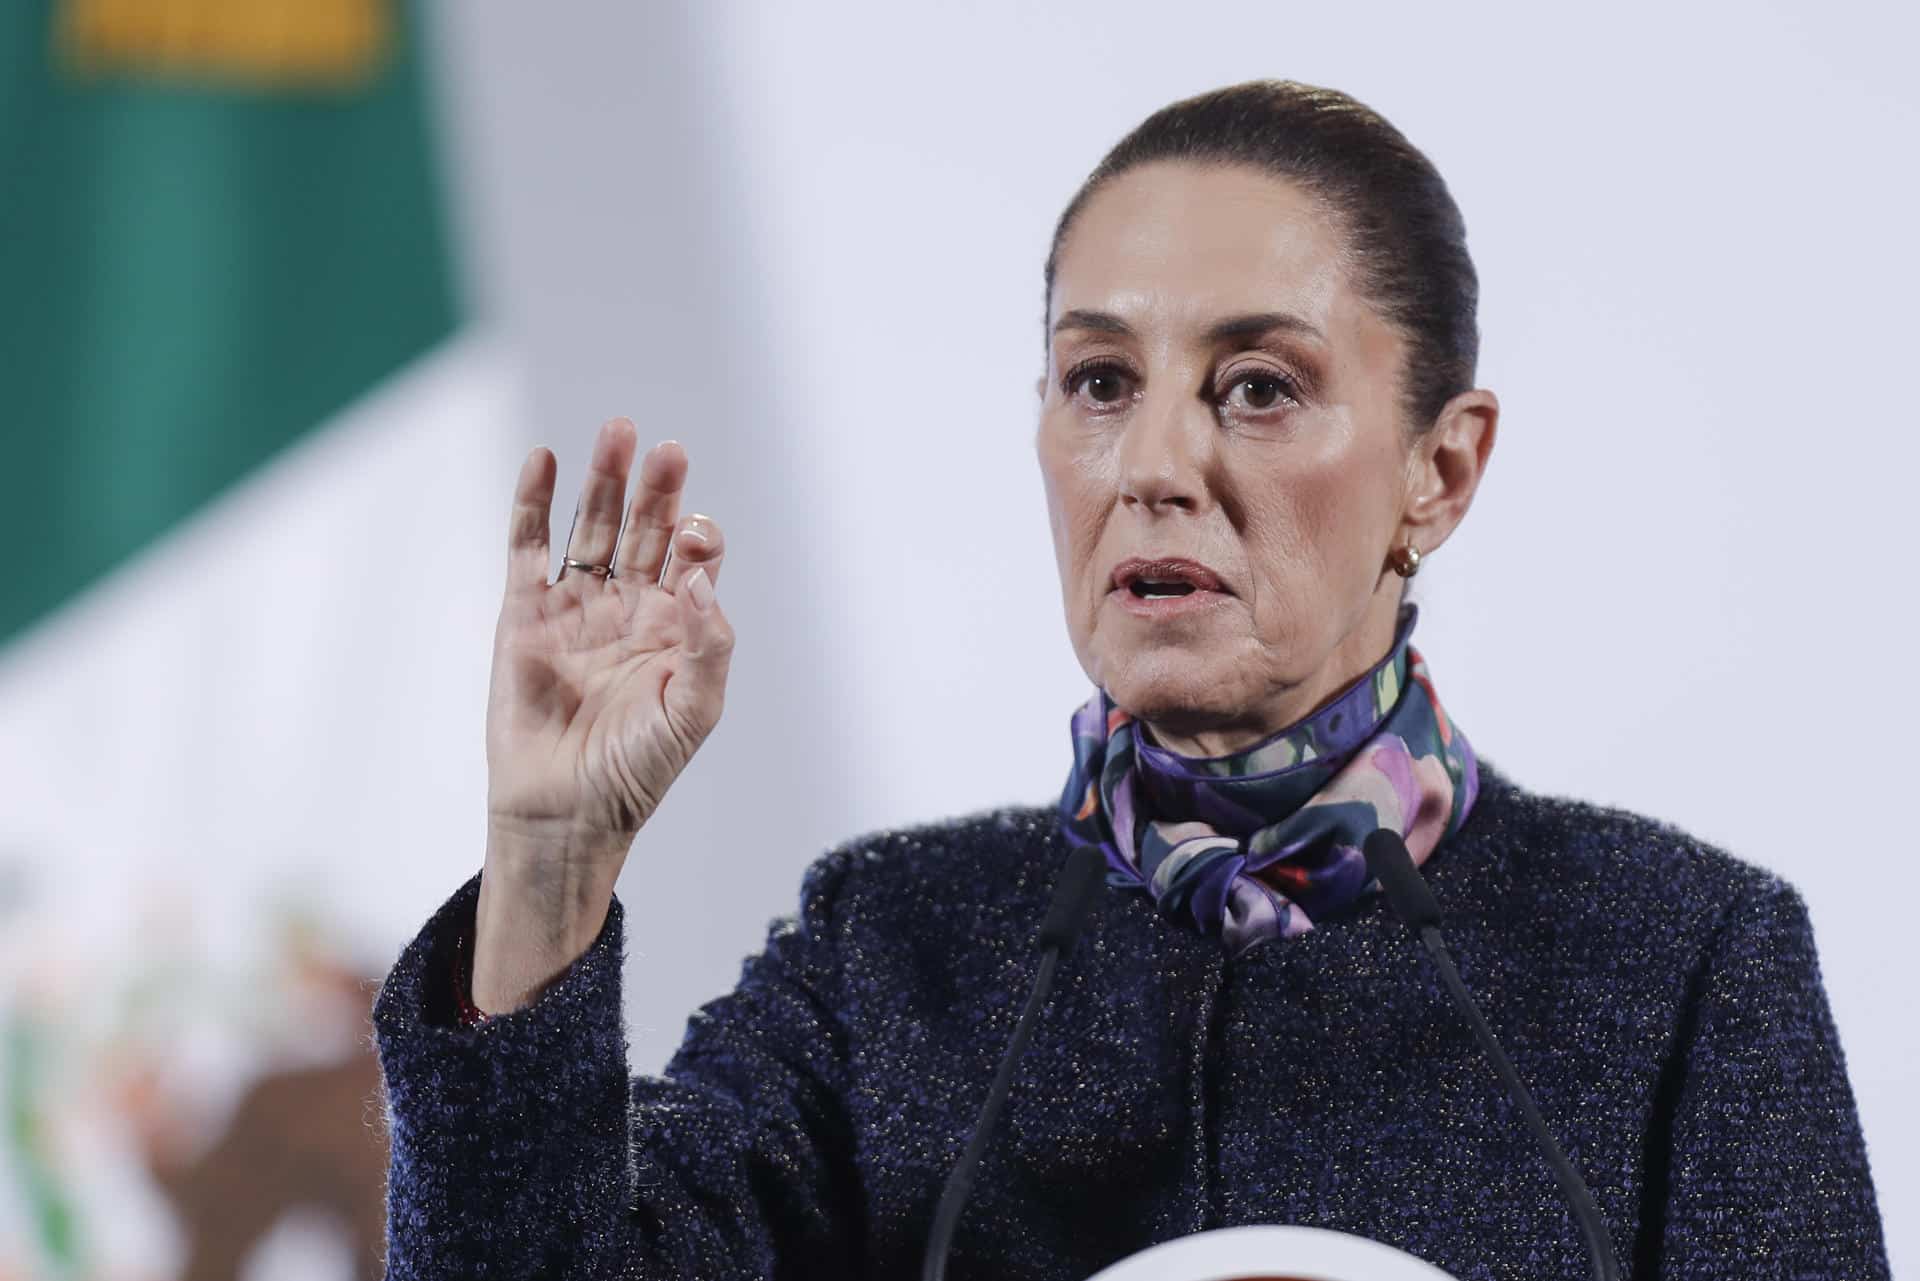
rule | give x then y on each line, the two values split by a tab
696	692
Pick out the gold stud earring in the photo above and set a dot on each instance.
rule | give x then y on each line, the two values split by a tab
1405	560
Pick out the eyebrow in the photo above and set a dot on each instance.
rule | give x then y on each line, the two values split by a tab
1249	325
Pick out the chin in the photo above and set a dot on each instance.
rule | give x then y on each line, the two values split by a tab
1196	697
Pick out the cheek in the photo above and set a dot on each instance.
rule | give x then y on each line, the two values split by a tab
1078	496
1311	526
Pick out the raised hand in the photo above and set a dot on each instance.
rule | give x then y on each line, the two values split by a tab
605	682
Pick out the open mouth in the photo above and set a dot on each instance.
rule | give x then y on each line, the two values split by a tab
1147	589
1166	578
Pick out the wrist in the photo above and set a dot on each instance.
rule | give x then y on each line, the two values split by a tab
544	853
545	838
542	903
553	878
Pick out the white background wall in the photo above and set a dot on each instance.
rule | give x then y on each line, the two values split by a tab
806	240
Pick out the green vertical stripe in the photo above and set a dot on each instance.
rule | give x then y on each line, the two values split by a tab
50	1214
192	275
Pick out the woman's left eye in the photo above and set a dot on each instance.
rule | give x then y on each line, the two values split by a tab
1262	390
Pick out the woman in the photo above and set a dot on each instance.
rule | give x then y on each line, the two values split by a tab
1258	415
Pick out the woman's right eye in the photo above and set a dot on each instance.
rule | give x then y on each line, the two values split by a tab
1104	381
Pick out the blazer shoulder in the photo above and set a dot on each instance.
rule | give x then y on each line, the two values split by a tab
1656	857
988	846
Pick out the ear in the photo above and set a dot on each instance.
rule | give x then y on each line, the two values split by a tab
1040	386
1445	466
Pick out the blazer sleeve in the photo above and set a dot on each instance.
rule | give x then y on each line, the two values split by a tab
522	1147
1767	1172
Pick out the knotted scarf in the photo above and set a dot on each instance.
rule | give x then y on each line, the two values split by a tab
1261	843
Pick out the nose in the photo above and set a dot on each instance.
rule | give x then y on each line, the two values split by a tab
1166	454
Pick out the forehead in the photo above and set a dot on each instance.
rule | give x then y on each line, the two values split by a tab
1170	245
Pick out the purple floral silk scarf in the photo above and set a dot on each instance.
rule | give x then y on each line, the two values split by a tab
1261	843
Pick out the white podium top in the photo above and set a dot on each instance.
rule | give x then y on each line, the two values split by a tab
1270	1251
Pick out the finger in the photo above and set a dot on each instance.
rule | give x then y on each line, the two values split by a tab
596	525
696	692
527	526
656	506
698	544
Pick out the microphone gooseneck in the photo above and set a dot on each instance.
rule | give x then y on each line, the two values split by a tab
1413	902
1072	893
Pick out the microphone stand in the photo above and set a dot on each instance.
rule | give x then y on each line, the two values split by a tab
1413	902
1071	896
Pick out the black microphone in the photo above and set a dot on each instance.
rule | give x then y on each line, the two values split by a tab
1407	892
1072	893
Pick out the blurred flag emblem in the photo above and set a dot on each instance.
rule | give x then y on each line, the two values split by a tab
221	235
315	42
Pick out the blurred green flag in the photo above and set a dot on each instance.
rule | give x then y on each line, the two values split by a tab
220	223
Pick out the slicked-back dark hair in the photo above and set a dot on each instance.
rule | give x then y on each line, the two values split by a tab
1408	241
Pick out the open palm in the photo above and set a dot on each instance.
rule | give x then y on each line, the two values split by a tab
603	686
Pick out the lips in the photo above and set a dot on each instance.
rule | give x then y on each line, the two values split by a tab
1169	571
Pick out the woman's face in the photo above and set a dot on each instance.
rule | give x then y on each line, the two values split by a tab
1217	391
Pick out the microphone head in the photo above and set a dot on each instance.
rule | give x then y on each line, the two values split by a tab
1072	892
1391	864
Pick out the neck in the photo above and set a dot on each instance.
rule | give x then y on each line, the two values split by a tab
1358	651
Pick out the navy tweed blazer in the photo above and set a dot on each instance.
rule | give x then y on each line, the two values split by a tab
1662	999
